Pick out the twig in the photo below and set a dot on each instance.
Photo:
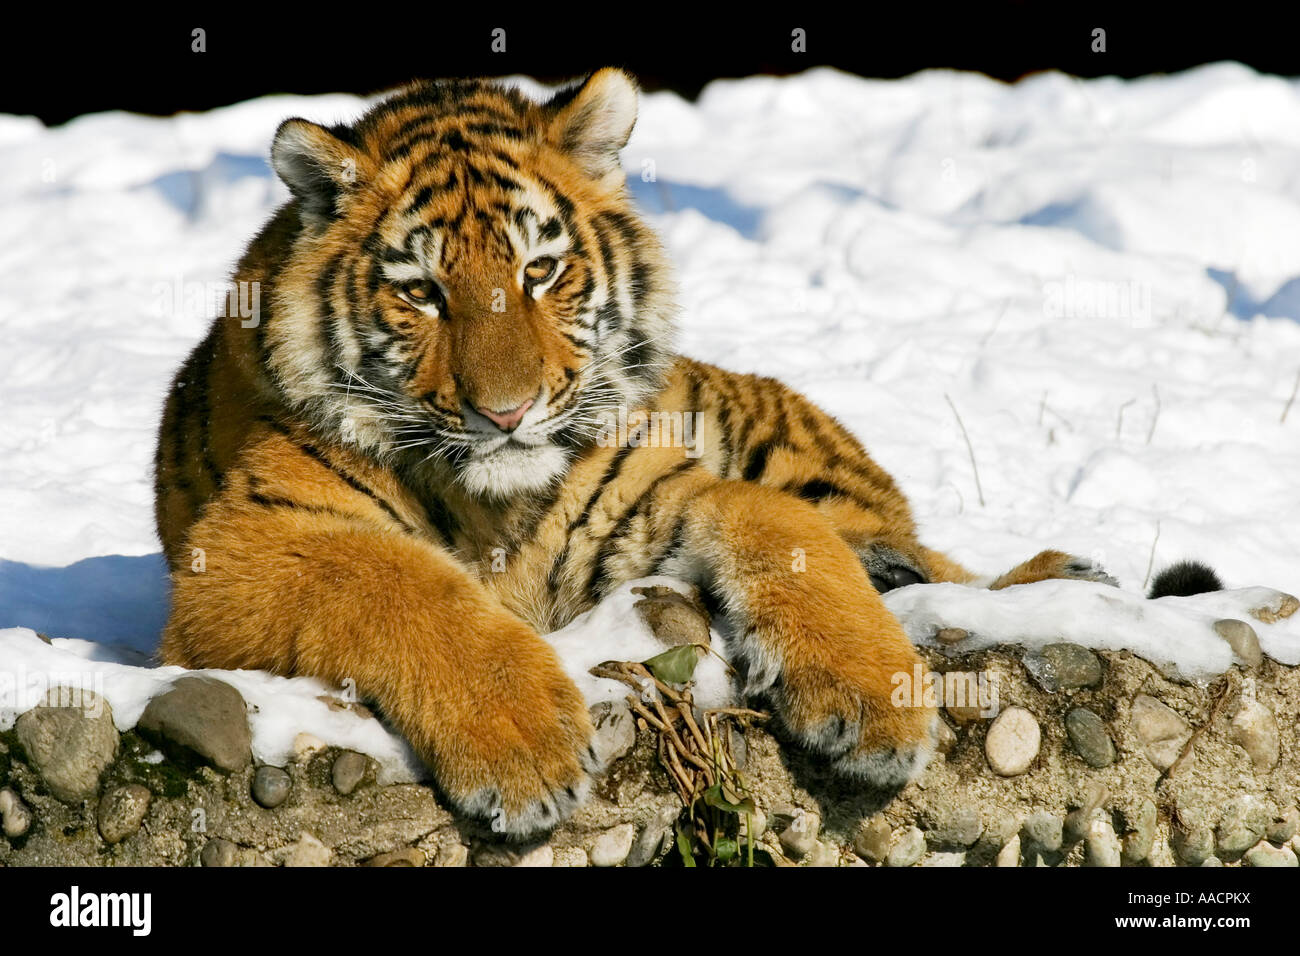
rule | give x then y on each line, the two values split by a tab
1219	701
969	448
1119	422
1155	390
1151	561
1006	304
1294	388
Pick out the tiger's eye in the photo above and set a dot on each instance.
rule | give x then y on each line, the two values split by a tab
419	289
540	269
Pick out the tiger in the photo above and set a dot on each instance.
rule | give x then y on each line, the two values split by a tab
398	471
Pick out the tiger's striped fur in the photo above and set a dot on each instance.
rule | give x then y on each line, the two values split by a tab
394	474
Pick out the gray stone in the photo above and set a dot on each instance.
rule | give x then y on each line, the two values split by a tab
909	846
1012	742
15	816
615	730
947	737
307	851
1243	640
1284	825
1088	735
1212	861
121	812
1139	839
1079	821
69	746
1101	845
219	852
1254	730
1009	855
871	842
1043	831
801	835
1065	667
271	786
452	855
954	827
1192	843
673	617
822	854
1265	854
348	771
407	856
204	717
653	839
1160	730
613	846
541	856
1242	824
949	636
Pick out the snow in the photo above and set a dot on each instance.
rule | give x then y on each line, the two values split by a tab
1102	276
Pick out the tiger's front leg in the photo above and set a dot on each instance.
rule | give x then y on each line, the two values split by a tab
314	591
812	634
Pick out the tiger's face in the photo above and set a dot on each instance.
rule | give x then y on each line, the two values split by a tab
470	284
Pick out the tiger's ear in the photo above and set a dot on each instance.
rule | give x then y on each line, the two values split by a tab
318	165
592	121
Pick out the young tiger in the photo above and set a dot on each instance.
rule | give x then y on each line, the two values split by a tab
395	471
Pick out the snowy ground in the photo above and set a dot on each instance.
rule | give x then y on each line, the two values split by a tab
1102	276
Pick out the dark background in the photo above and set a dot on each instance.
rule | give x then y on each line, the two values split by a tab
77	63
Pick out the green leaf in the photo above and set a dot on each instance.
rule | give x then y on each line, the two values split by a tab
726	849
684	847
675	666
714	798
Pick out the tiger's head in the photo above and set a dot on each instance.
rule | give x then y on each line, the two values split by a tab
468	282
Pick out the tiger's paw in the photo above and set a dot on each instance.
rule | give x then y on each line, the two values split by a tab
525	765
1054	565
850	714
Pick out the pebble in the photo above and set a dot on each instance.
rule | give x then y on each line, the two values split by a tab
1087	732
1265	854
1101	845
348	770
1160	730
951	635
121	812
540	856
1065	667
650	843
1140	838
1009	855
271	786
871	842
202	716
1254	730
1241	826
1193	844
673	617
16	815
70	746
1284	605
1243	640
946	737
822	854
615	730
954	827
452	854
408	856
495	855
944	858
1212	861
219	852
801	835
305	744
1077	822
1012	742
1043	831
308	851
1285	825
909	846
613	846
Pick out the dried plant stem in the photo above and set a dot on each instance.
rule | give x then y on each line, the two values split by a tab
969	448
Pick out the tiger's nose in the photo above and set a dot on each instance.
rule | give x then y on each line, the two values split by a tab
508	420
